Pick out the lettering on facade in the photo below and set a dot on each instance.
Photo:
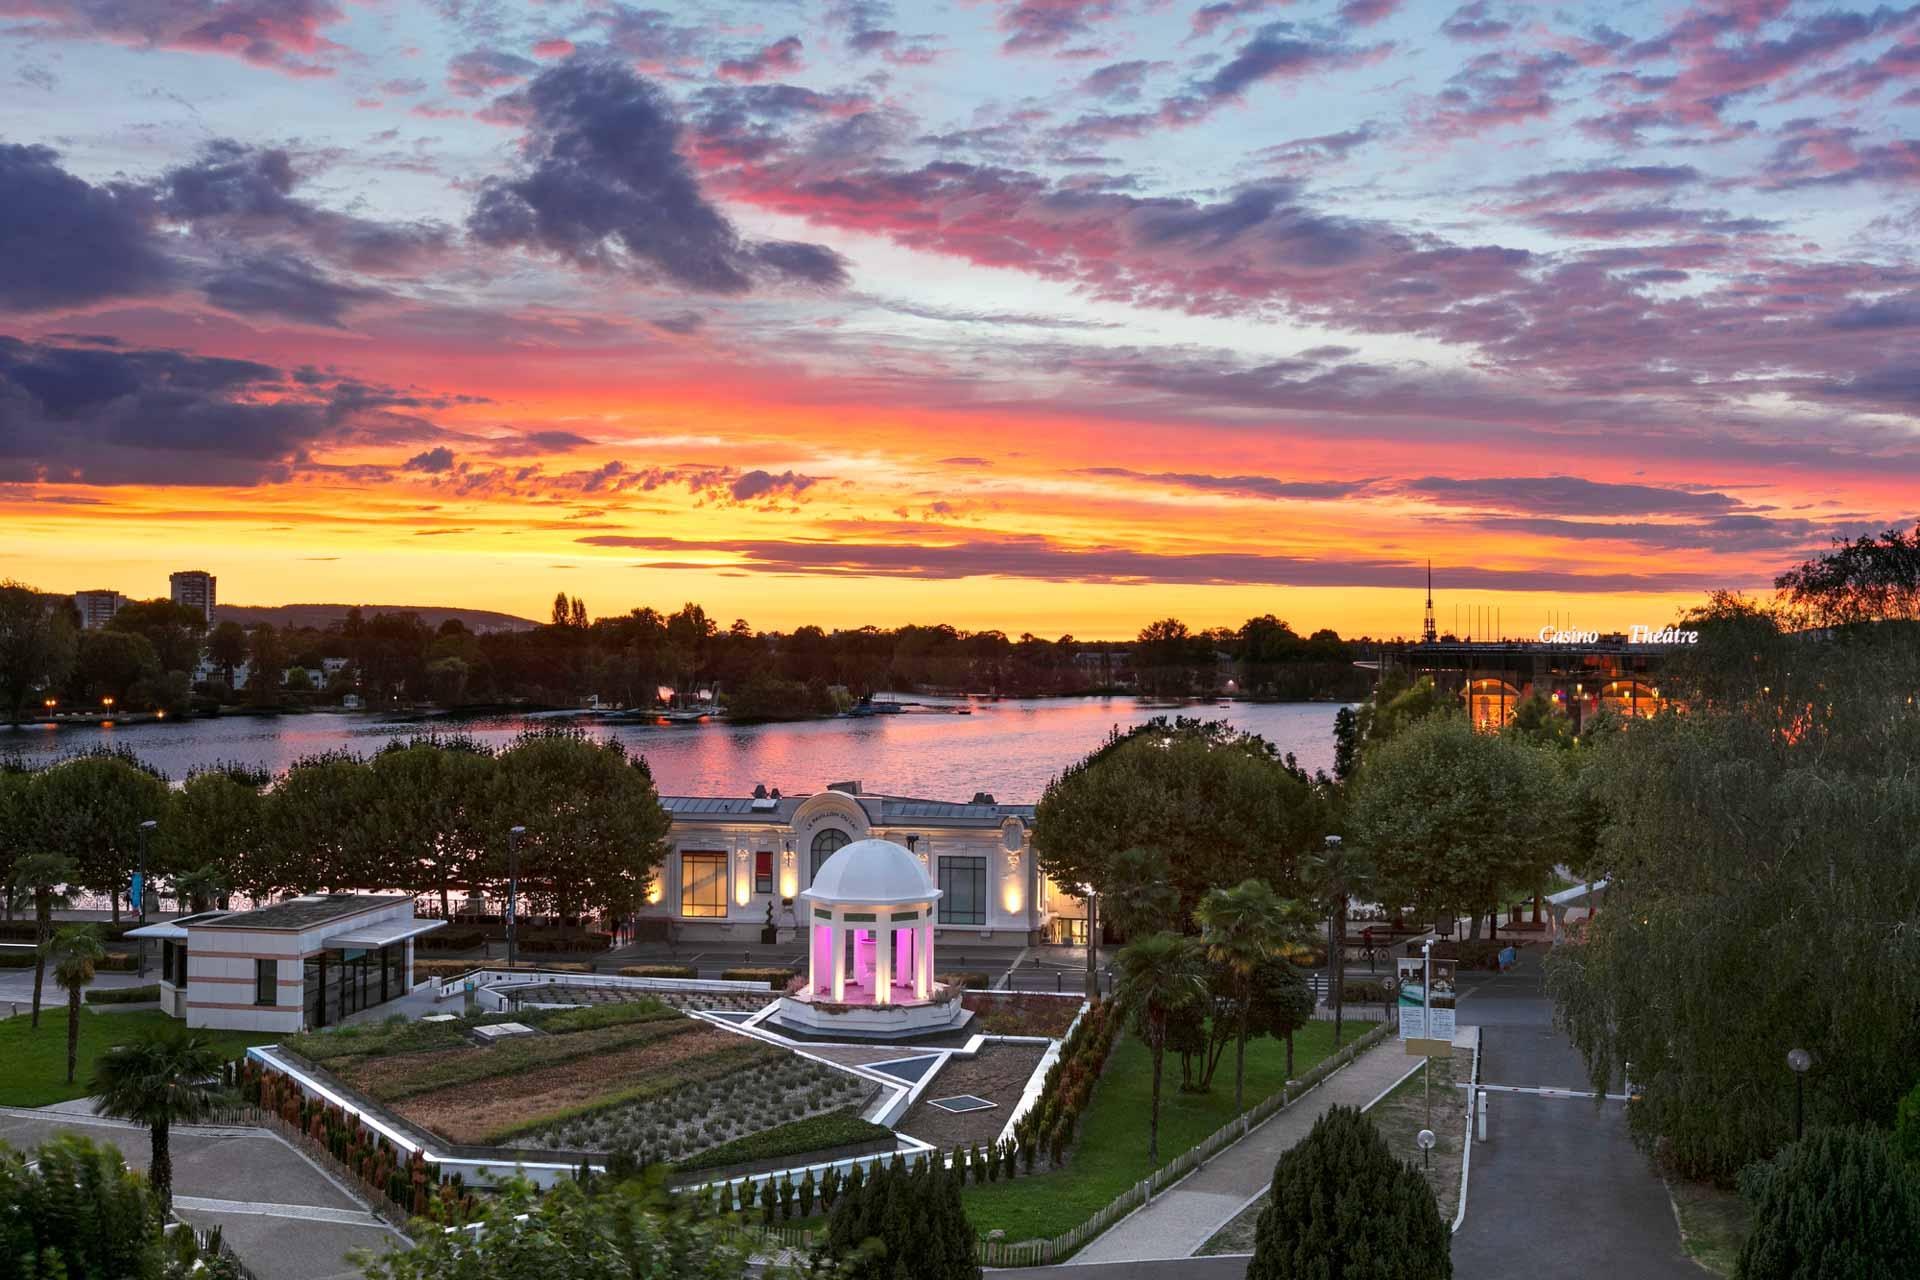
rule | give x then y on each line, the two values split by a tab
1636	634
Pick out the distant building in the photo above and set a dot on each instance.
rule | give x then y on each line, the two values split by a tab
194	589
97	607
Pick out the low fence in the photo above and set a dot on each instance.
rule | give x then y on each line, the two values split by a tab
1034	1253
211	1242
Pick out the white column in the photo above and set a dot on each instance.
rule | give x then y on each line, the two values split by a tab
813	955
923	963
882	961
839	958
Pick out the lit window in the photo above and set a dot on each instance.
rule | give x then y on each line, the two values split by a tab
703	884
829	842
763	871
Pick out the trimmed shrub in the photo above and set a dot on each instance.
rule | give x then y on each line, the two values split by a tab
112	962
1906	1127
451	940
658	971
123	995
1836	1203
972	980
1342	1203
775	978
917	1218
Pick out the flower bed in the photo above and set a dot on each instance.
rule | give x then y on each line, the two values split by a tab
634	1076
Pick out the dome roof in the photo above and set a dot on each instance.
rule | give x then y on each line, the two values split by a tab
876	872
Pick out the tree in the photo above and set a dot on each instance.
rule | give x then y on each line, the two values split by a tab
1242	928
1160	976
111	663
1218	805
269	662
1139	897
75	950
227	648
37	639
89	810
162	1077
1836	1203
199	889
1342	1205
1282	1002
215	826
1763	879
316	828
71	1208
423	814
595	831
1906	1127
903	1224
1454	819
1867	580
612	1231
173	630
46	876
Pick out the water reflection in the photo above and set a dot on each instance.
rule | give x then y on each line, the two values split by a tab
1009	748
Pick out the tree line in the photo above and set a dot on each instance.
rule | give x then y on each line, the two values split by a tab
428	816
147	656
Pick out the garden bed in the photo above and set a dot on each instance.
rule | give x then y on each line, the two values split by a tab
635	1076
1022	1014
999	1073
692	998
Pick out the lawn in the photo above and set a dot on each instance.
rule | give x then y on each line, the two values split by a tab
35	1070
1111	1153
1714	1224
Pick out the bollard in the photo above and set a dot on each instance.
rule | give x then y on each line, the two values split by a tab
1481	1119
1056	982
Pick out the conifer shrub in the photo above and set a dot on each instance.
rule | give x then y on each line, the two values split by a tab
1837	1203
1343	1204
904	1224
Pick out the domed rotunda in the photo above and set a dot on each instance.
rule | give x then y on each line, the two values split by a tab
870	975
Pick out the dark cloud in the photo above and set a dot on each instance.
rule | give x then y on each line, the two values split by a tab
1504	88
1239	486
437	459
755	485
282	34
65	242
1048	24
1474	22
1570	496
1641	220
1119	81
1210	16
604	186
935	555
1901	312
1278	51
480	71
1735	534
285	285
538	442
231	190
780	58
1364	13
1326	146
82	415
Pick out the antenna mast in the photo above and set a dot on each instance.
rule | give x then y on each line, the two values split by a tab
1428	633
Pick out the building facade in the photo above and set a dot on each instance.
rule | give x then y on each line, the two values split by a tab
1581	672
736	864
194	588
96	608
307	962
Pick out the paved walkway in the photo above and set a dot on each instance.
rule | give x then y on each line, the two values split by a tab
284	1216
1181	1219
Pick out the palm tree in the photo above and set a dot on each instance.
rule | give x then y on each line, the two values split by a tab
1140	898
165	1076
75	950
42	874
1242	928
199	890
1159	975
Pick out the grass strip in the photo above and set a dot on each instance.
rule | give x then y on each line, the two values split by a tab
796	1137
33	1062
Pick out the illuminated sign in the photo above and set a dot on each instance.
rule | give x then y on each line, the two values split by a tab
1636	634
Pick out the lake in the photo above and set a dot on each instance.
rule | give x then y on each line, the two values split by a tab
1009	748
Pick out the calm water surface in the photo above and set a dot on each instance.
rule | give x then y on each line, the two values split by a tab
1008	748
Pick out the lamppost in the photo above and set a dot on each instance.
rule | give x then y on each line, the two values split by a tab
1425	1140
1336	929
513	886
140	880
1798	1060
1386	987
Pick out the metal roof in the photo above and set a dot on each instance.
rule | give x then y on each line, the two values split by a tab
881	809
305	912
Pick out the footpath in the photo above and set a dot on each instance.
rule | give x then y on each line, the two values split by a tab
1181	1219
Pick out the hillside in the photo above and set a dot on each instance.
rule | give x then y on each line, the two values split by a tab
326	615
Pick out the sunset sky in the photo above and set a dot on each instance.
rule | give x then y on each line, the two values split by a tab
1056	315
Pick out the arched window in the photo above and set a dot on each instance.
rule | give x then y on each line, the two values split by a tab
828	842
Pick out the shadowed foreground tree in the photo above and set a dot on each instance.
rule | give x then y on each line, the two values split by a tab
161	1078
44	875
904	1224
1837	1203
1343	1207
72	1209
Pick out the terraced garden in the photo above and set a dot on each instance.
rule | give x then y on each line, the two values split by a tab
639	1077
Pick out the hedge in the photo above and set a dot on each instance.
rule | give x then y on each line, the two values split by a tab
658	971
451	940
123	995
797	1137
28	931
973	981
112	962
774	977
1362	991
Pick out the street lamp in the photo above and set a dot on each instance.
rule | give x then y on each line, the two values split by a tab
1386	986
140	880
513	885
1798	1060
1425	1141
1336	932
